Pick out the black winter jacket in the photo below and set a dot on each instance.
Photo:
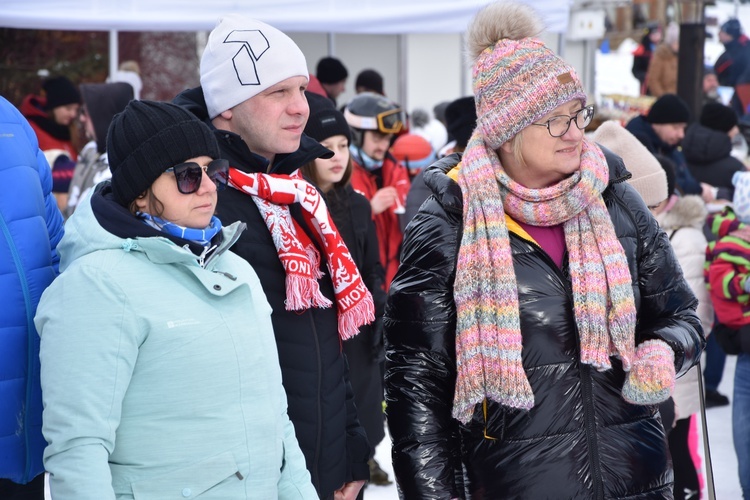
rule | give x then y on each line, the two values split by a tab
581	440
644	132
313	367
709	158
352	215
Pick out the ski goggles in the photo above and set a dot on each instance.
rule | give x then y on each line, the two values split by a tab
387	122
390	122
189	175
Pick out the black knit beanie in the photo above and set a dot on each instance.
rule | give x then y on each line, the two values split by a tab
461	119
331	70
325	121
147	138
669	108
60	92
370	80
718	117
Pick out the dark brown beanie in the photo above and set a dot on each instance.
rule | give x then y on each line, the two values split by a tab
149	137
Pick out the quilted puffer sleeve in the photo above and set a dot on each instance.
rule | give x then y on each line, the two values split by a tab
420	323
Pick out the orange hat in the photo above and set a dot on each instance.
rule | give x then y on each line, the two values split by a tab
413	150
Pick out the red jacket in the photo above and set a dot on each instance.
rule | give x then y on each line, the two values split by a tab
32	108
386	222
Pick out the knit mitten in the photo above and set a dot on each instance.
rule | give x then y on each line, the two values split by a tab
651	378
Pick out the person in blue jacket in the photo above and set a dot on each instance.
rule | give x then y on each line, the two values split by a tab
159	369
30	228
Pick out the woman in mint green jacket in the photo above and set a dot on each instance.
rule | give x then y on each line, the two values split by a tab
160	375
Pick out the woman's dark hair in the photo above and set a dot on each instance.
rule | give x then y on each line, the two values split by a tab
153	202
311	173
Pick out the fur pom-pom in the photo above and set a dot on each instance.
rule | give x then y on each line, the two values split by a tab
504	19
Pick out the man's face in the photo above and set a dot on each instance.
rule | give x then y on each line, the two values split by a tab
272	122
375	144
671	133
724	37
335	89
710	83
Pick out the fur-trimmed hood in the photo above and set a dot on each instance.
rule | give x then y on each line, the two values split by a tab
688	211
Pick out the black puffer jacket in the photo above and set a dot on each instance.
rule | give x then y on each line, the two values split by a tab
313	367
709	158
581	440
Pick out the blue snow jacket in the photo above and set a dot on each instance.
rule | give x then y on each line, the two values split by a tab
30	228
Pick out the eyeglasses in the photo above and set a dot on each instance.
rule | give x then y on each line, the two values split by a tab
189	175
558	126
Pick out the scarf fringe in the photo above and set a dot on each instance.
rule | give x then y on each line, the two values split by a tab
350	320
303	293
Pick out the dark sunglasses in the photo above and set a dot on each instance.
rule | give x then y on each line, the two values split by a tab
189	175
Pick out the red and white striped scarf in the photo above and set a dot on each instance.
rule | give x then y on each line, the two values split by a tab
273	193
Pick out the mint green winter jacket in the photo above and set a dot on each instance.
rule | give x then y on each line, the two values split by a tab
160	377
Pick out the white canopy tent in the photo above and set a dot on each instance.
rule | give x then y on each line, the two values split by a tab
448	18
328	16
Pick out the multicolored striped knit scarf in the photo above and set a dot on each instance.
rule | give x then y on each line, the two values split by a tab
272	195
488	337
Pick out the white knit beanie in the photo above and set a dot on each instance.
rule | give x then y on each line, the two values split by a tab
649	179
244	57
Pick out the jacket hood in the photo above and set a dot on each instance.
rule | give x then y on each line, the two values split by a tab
688	211
103	101
193	101
234	149
645	133
33	105
100	223
32	108
703	145
446	189
724	222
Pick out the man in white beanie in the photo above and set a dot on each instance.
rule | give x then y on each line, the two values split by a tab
253	79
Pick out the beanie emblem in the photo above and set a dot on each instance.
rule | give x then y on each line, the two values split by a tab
565	78
254	45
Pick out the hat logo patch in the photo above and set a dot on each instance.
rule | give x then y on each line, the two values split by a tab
254	45
565	78
328	120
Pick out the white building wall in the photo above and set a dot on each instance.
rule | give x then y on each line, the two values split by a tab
420	70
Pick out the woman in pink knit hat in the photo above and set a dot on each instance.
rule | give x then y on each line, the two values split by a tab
538	316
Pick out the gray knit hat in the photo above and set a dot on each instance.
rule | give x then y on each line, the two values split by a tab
147	138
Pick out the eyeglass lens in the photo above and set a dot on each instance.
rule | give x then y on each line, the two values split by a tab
559	125
189	175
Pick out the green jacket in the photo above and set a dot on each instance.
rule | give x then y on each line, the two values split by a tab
160	375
